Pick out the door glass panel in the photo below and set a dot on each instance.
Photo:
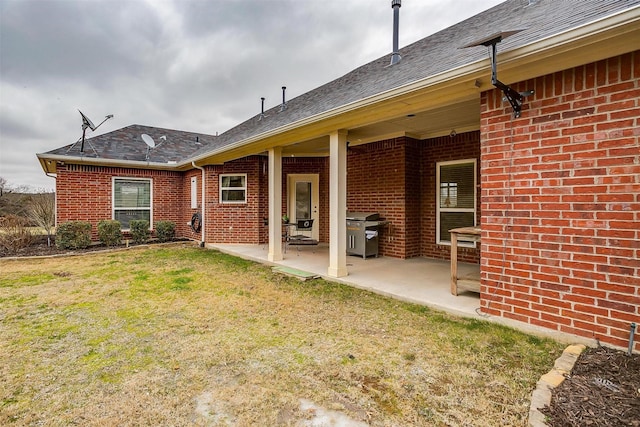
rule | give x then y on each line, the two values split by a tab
303	200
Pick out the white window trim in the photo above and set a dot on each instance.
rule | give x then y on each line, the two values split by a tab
232	202
194	192
113	198
461	243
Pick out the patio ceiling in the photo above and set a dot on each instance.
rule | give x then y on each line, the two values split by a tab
457	117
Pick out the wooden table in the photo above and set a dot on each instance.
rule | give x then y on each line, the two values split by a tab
470	234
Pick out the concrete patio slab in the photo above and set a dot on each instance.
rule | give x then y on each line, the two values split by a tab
419	280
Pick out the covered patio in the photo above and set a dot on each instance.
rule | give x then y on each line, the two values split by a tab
419	280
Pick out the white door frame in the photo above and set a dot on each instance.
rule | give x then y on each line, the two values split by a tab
314	179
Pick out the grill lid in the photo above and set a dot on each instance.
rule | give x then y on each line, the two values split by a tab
362	216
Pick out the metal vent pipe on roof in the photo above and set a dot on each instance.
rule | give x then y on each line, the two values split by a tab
262	109
395	55
284	102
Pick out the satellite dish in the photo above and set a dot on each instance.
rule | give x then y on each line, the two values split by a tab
148	140
86	123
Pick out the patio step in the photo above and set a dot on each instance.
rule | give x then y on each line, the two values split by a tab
293	272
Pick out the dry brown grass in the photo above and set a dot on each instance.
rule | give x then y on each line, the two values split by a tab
186	336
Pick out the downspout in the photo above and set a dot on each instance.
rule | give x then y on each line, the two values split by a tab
193	163
55	205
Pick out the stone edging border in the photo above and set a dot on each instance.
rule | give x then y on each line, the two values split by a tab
541	396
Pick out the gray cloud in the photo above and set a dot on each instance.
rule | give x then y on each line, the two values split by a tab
48	41
182	64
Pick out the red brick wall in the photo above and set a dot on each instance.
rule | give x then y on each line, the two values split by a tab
446	148
244	223
235	223
376	182
397	178
561	202
393	177
85	193
263	199
414	193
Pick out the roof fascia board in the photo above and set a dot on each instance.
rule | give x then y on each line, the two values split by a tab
44	158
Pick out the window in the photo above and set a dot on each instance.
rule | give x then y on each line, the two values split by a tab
131	200
233	188
194	192
456	204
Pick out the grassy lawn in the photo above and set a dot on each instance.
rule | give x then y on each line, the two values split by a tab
179	335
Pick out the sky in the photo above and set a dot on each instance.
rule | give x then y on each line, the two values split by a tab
192	65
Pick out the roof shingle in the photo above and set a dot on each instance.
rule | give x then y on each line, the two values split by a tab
428	57
127	144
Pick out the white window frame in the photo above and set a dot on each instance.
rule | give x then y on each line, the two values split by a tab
194	192
461	243
223	189
113	198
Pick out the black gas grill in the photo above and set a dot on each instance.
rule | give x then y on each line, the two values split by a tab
362	233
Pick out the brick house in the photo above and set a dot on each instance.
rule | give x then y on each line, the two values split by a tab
430	144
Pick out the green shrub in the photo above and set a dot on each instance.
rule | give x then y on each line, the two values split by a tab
165	230
14	233
139	230
109	232
73	235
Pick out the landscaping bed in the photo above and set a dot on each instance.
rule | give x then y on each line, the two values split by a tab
41	248
603	389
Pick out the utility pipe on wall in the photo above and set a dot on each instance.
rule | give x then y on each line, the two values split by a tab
203	203
55	204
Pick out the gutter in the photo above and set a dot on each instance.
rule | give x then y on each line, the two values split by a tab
136	164
203	203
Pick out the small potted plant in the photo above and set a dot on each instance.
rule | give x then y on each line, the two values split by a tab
285	218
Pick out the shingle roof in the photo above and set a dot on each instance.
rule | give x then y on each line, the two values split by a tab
430	56
127	144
